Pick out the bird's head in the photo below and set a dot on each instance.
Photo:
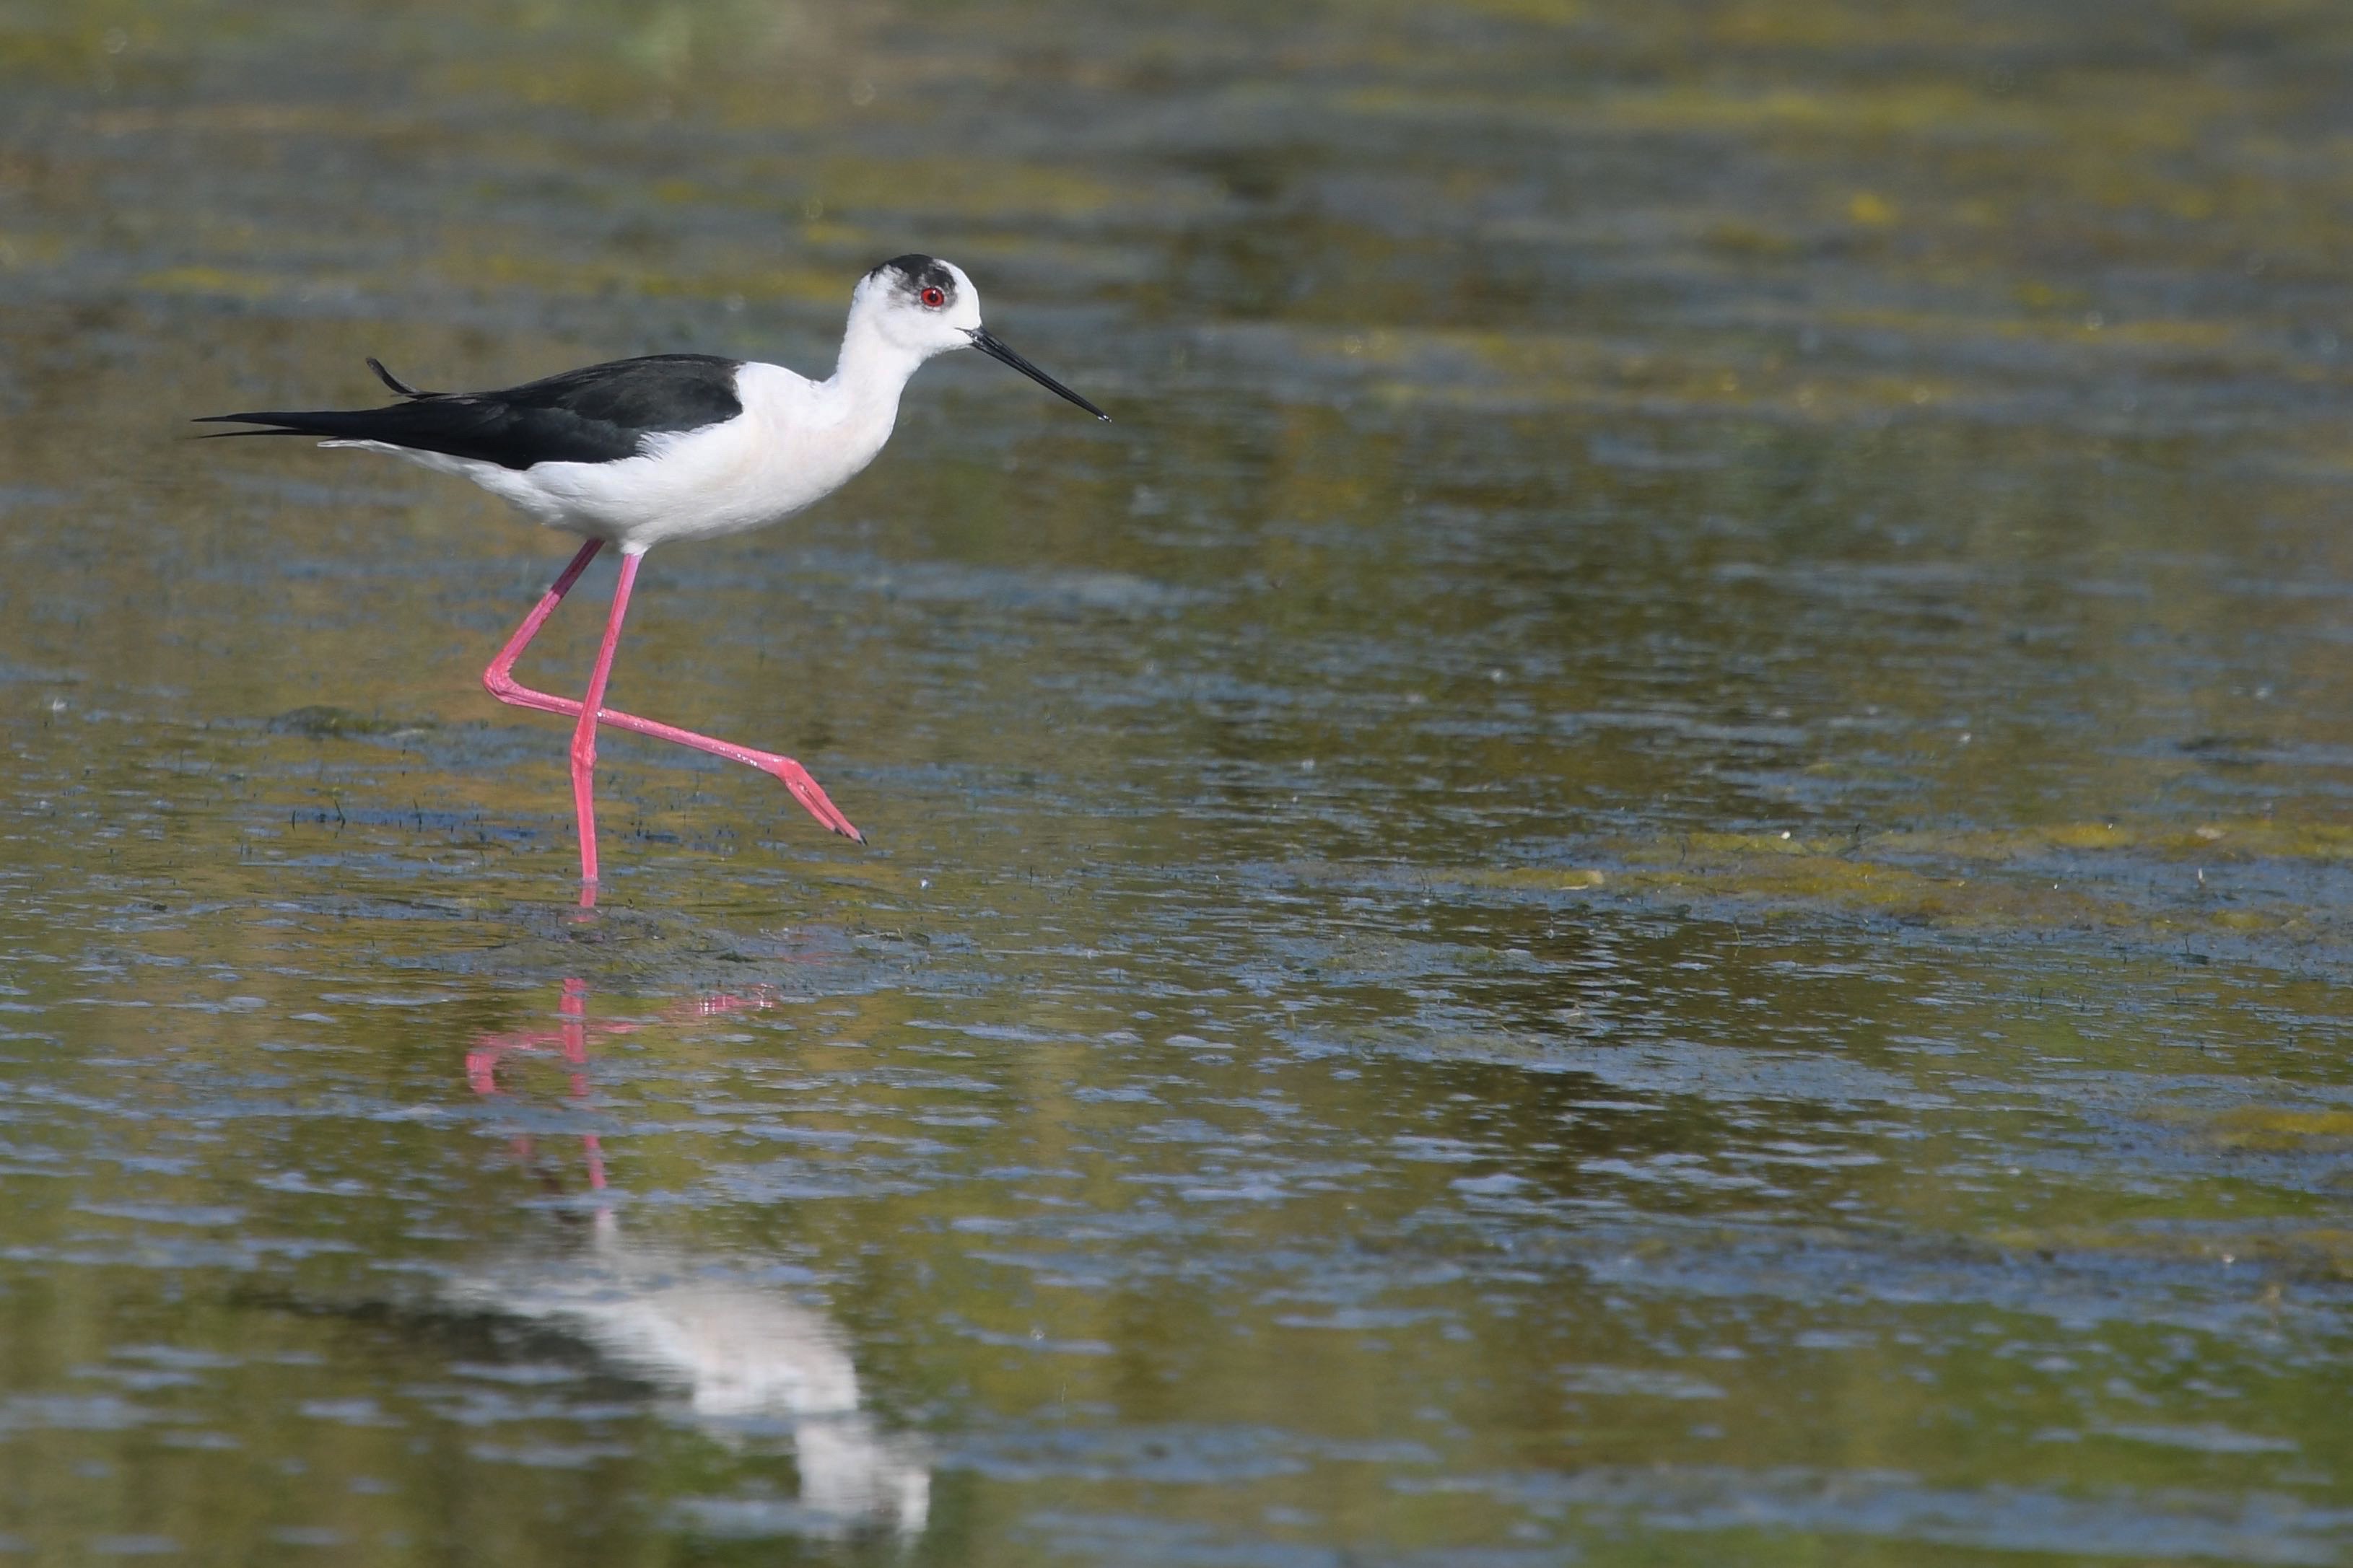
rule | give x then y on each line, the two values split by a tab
922	306
919	303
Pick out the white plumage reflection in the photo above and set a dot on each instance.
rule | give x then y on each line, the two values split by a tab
744	1358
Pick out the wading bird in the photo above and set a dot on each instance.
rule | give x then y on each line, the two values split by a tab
638	452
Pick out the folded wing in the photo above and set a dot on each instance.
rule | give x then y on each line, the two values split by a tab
601	414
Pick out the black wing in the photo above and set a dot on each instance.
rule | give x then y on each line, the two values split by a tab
597	415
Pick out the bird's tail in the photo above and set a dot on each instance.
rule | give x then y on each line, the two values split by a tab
333	424
327	424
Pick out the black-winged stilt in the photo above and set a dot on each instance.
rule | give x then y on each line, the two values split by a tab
638	452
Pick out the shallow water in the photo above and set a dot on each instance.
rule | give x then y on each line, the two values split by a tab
1647	870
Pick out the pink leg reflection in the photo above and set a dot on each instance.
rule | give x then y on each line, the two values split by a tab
570	1041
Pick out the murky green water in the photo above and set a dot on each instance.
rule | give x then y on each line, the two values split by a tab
1648	869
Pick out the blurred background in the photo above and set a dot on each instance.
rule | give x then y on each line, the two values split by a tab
1647	868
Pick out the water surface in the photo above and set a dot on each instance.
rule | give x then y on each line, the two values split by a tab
1647	868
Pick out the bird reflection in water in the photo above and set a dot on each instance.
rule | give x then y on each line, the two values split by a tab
750	1360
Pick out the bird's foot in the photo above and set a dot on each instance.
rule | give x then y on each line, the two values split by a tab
806	790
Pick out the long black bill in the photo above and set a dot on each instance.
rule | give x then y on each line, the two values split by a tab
985	342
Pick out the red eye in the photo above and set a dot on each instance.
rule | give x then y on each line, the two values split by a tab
935	298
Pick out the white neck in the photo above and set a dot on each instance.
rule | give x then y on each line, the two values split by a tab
872	369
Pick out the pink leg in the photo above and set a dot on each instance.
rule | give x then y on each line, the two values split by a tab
500	677
499	681
584	729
